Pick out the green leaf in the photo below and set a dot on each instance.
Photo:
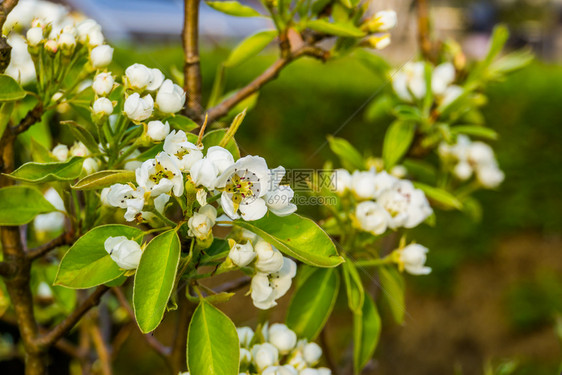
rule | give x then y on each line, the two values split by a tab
296	236
212	343
103	179
475	131
10	90
392	285
366	333
397	141
313	302
87	263
420	169
443	197
181	122
337	29
5	114
20	204
250	47
83	135
154	279
351	158
379	109
233	8
353	286
213	138
46	172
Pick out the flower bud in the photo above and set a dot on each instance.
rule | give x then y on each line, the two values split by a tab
363	184
372	217
245	335
264	355
91	165
463	170
34	36
341	180
412	258
67	42
280	370
312	353
79	149
103	107
60	152
269	259
137	108
170	97
282	337
382	21
379	41
242	254
89	32
157	130
490	176
126	253
103	84
201	223
245	357
51	46
138	77
101	56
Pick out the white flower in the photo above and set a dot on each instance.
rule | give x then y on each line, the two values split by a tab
126	253
101	56
201	223
451	94
204	173
372	217
89	32
124	196
245	184
463	170
443	75
137	108
103	84
280	370
312	353
410	81
52	221
245	335
103	107
481	153
245	357
221	158
91	165
60	152
278	198
412	259
398	171
201	197
185	153
282	337
383	181
156	80
21	66
267	288
406	205
34	36
264	355
341	180
384	20
379	41
66	41
269	259
490	176
324	371
44	291
170	97
138	77
160	175
242	254
157	130
363	184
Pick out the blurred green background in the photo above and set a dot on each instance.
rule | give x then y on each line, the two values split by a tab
495	290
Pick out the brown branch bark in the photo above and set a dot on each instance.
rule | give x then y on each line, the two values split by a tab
63	239
5	50
31	118
101	349
424	38
178	355
7	270
192	67
270	74
66	325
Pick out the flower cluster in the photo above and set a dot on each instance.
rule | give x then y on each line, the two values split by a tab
409	82
50	28
385	201
276	350
62	153
469	158
378	25
273	273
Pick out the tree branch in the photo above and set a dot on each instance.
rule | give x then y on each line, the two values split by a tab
7	270
233	285
32	117
270	74
63	239
66	325
178	359
192	68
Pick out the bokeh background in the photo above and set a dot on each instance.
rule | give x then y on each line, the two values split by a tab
495	293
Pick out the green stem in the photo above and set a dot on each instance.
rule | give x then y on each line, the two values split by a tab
374	262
